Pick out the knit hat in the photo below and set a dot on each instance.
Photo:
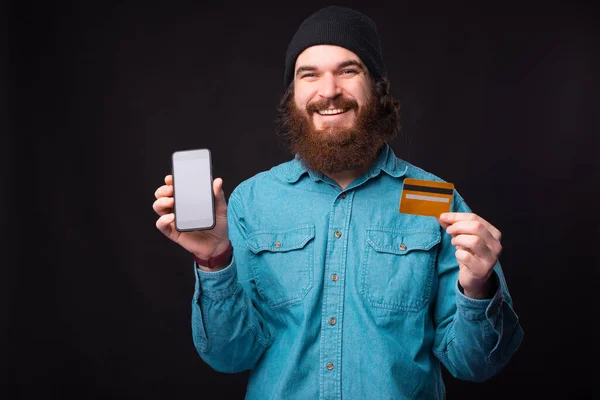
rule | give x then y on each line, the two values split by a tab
342	27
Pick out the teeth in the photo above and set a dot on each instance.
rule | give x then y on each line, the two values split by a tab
331	112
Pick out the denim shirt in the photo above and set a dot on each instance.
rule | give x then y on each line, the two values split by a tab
336	294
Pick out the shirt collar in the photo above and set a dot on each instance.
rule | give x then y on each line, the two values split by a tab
389	163
386	161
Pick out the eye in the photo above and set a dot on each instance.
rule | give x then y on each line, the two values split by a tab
348	72
308	75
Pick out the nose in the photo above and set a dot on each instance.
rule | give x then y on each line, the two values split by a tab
329	87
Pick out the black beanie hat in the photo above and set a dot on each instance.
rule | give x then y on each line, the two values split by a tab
342	27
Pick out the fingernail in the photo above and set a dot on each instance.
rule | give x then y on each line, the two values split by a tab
444	217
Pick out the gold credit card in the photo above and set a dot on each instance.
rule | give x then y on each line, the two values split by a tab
427	198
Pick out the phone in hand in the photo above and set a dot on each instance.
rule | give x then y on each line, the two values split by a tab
193	190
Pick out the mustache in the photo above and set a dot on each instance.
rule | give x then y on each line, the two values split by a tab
338	102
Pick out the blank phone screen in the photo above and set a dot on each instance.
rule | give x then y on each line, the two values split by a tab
193	189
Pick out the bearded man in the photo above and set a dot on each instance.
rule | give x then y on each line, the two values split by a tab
312	279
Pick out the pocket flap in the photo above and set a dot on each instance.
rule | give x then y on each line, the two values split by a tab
280	240
402	241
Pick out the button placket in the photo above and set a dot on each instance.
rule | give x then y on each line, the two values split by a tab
333	294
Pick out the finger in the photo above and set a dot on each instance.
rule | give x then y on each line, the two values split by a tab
473	244
466	258
454	217
165	224
468	227
220	202
493	230
476	228
475	266
164	191
169	179
163	205
472	262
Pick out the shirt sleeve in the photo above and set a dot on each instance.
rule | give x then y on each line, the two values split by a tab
229	333
474	338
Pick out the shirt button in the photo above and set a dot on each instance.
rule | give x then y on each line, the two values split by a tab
402	247
343	195
278	244
332	321
338	234
330	366
334	277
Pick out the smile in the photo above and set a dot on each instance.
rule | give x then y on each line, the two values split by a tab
332	112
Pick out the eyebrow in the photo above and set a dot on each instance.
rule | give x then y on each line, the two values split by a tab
309	68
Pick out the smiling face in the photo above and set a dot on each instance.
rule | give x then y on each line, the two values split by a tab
332	86
334	116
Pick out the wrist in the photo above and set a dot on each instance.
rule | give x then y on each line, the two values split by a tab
482	291
217	261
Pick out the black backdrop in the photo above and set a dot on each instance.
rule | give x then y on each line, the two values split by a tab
499	99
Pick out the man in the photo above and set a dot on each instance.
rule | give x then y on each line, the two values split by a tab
312	278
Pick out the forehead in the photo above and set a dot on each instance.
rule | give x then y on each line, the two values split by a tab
325	56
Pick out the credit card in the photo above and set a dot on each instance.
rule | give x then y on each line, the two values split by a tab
428	198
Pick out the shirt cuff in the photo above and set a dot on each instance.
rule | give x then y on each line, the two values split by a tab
216	285
477	309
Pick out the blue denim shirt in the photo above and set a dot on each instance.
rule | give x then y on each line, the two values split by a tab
321	301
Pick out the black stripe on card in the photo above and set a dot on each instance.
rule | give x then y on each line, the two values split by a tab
428	189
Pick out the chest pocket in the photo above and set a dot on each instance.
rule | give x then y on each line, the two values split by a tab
282	264
398	268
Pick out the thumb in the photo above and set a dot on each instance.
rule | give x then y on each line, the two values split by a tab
442	223
220	203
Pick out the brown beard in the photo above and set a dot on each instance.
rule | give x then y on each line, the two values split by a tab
334	149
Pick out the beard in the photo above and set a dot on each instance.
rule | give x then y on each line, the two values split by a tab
336	148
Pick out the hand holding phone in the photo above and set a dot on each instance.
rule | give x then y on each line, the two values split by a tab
202	232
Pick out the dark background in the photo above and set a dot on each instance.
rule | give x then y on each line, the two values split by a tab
498	98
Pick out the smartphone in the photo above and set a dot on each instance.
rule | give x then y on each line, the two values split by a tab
193	190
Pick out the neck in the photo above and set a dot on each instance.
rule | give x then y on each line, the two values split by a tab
344	178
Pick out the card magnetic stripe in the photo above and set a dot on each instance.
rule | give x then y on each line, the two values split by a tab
428	189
